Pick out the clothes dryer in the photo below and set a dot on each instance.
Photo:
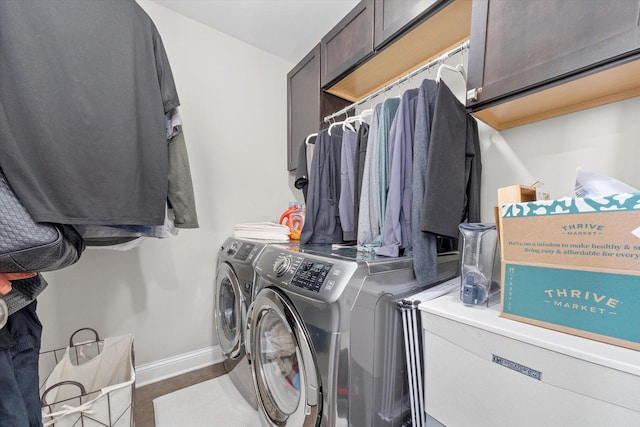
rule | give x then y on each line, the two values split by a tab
324	336
233	294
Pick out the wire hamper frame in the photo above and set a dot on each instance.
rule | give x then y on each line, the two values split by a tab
92	382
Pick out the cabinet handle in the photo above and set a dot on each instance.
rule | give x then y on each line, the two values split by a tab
638	15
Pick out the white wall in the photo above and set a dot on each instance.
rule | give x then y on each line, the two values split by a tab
603	139
234	111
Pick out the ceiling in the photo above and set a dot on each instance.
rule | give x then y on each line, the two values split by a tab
286	28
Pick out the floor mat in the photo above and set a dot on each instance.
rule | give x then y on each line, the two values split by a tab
214	402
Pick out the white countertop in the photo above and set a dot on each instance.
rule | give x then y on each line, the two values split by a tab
488	318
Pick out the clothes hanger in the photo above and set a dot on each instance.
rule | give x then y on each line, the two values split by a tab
347	123
311	135
332	125
365	113
458	68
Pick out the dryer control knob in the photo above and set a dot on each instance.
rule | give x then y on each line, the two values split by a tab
281	266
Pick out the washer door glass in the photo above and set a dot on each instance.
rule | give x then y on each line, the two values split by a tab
279	361
228	310
284	367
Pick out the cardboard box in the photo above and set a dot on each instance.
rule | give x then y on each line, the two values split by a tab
515	194
573	265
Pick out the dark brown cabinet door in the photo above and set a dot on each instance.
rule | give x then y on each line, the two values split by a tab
521	46
307	104
392	17
348	44
303	103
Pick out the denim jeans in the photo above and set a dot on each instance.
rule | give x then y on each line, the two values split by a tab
19	394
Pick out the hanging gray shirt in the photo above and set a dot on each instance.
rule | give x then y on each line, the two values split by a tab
454	168
397	225
84	88
368	219
425	251
322	220
348	184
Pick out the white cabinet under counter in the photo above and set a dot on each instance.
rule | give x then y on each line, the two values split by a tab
484	370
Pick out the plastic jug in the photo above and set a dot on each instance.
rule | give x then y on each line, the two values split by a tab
294	219
480	262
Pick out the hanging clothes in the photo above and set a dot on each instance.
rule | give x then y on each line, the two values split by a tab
425	261
181	209
180	186
387	114
301	181
368	220
348	184
84	89
379	174
359	160
454	168
397	225
322	219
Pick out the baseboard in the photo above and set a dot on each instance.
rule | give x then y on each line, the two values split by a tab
162	369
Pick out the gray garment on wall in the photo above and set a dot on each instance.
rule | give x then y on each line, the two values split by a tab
84	88
180	189
387	114
347	185
378	173
425	261
368	220
454	168
322	219
397	225
361	152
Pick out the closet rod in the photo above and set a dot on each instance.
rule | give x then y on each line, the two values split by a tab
402	79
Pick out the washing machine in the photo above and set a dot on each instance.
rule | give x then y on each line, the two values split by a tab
233	294
324	336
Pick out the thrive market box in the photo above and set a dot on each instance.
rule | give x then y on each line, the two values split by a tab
573	265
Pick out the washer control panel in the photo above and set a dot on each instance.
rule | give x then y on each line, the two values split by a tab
311	274
241	251
320	276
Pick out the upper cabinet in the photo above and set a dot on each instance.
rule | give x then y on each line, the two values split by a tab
345	67
532	60
303	90
349	43
528	60
393	16
412	33
306	104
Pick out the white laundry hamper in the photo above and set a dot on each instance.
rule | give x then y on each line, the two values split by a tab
91	384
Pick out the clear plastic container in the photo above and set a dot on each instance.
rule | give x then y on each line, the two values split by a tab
480	270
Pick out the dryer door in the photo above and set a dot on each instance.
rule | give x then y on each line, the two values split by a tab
284	368
229	311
